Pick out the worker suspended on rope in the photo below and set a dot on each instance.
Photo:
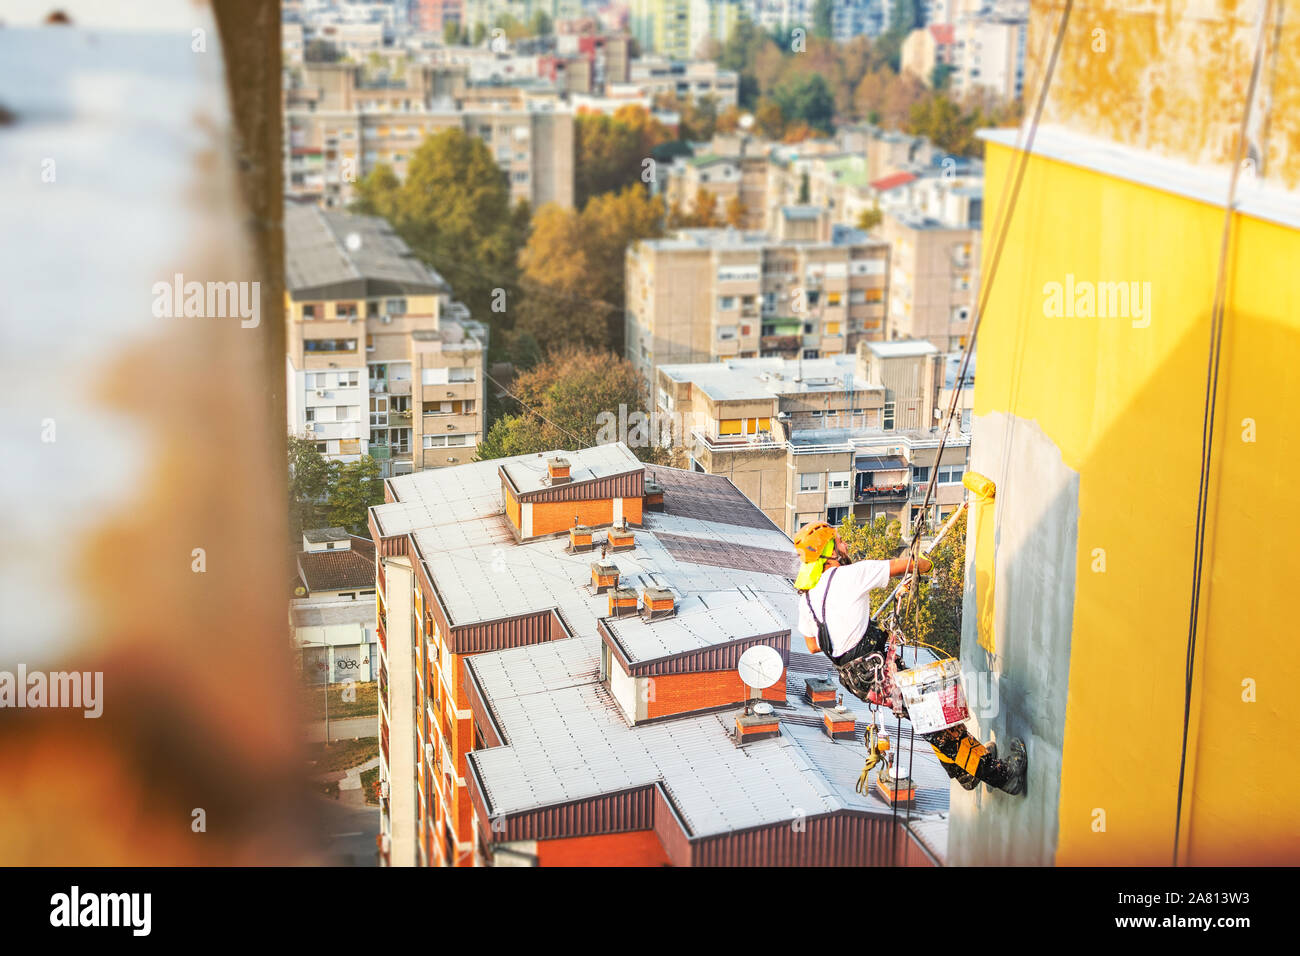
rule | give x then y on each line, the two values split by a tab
835	619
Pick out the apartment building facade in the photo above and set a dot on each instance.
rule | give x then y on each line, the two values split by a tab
380	360
709	294
825	439
933	229
340	125
559	637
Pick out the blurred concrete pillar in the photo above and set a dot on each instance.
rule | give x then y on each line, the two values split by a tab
142	498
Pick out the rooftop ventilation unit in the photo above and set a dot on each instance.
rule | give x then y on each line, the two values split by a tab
657	604
579	538
604	576
622	602
557	470
620	537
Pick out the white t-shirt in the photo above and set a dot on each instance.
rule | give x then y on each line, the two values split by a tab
848	606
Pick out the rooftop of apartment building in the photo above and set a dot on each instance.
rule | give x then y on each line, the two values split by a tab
330	254
565	740
757	378
729	239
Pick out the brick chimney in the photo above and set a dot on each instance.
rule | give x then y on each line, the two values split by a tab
579	537
657	603
761	724
654	495
820	692
622	602
620	538
838	722
604	576
557	469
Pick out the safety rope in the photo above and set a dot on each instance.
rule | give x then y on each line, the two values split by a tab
1006	212
1217	316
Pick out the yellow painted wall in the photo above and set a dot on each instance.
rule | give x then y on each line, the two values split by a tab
1124	407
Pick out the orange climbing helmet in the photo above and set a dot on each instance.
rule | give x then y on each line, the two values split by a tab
811	540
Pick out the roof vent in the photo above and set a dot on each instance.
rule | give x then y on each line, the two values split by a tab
579	537
657	603
654	495
756	726
621	538
820	692
622	602
557	469
604	575
838	722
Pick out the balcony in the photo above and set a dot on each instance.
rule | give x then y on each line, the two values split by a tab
880	493
779	343
380	452
399	419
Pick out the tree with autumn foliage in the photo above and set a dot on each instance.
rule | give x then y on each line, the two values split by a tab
610	152
572	268
568	402
454	210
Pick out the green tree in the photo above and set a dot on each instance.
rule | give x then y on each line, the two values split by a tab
573	400
540	25
454	211
309	486
823	11
451	33
806	97
357	487
934	618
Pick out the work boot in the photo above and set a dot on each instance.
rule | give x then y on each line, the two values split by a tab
1018	764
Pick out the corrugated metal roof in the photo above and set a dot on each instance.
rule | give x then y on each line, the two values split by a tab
567	742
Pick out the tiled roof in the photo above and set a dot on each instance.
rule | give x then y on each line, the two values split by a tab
341	569
893	181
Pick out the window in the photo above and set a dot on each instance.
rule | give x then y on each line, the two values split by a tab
323	447
460	375
920	474
345	310
378	411
329	345
811	481
395	306
950	474
726	333
836	515
888	422
347	379
447	441
965	419
311	414
838	480
308	312
810	353
727	303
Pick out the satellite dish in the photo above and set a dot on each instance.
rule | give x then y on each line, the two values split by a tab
760	667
